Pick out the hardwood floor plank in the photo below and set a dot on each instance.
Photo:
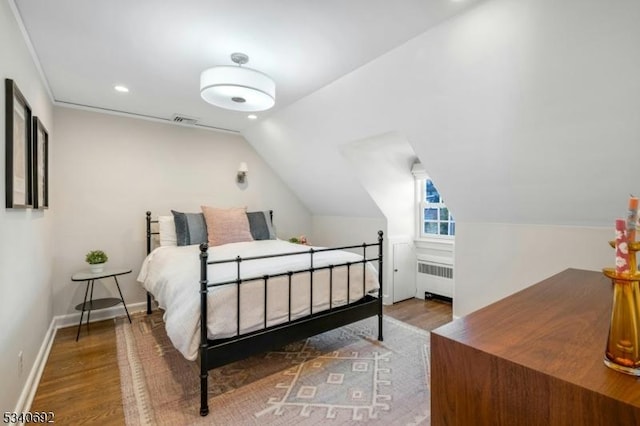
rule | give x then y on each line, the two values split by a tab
81	380
425	314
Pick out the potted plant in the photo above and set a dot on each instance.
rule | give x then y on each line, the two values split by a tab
299	240
96	260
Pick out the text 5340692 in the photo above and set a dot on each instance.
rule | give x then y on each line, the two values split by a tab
29	417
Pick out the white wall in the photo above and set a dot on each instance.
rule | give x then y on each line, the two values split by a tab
523	111
330	231
25	235
112	169
521	255
340	231
382	164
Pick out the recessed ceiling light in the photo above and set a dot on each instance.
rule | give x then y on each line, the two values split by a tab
120	88
252	116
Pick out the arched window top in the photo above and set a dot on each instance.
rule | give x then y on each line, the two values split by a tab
435	218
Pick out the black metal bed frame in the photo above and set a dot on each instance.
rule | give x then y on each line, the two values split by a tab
216	353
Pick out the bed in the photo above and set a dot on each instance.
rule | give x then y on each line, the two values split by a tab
255	296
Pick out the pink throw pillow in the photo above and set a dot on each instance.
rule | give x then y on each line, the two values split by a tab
226	225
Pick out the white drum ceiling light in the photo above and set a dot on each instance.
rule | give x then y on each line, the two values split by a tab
237	88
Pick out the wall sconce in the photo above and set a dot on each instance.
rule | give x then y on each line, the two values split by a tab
242	172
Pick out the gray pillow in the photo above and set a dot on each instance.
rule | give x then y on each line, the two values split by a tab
190	228
261	226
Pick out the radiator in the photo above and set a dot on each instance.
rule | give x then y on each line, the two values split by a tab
435	278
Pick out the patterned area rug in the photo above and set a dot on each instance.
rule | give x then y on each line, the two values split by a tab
344	376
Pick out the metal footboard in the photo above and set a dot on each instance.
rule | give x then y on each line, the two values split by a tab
217	353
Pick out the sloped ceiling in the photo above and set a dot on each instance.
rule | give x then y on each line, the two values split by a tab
521	111
158	49
383	167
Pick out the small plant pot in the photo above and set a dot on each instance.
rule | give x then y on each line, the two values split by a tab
96	267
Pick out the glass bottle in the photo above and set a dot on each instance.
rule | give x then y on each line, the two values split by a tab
623	344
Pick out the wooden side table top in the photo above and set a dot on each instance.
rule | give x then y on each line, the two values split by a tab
108	272
558	327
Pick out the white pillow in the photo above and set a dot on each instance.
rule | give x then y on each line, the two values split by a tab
167	229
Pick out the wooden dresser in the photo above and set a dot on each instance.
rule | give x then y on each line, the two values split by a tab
533	358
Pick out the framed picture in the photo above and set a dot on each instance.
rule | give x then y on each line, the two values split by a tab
18	154
40	165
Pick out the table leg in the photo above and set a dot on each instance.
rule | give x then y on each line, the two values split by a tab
122	298
82	313
90	304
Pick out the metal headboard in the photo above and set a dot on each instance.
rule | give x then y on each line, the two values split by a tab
150	233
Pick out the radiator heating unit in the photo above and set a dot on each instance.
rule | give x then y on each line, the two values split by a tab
436	279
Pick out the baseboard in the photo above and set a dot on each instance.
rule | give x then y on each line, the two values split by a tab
31	385
61	321
69	320
429	295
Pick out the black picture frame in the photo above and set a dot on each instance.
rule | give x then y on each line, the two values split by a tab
18	148
40	165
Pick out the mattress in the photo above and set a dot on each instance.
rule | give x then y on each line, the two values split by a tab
172	275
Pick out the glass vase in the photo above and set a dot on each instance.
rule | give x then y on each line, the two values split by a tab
623	344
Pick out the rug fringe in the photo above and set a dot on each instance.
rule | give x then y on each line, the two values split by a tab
143	407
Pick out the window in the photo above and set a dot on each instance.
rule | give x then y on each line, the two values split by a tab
435	217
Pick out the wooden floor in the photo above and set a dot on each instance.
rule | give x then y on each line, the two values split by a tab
81	381
425	314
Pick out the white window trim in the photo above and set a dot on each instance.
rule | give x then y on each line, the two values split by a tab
435	244
420	176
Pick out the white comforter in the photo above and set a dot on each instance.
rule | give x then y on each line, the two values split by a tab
172	275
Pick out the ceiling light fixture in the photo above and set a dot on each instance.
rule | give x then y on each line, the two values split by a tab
237	88
120	88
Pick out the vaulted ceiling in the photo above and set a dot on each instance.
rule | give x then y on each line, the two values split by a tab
522	111
530	104
158	49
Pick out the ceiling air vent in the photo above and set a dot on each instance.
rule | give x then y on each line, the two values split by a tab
183	119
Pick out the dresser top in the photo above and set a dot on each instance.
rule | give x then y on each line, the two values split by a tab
558	327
